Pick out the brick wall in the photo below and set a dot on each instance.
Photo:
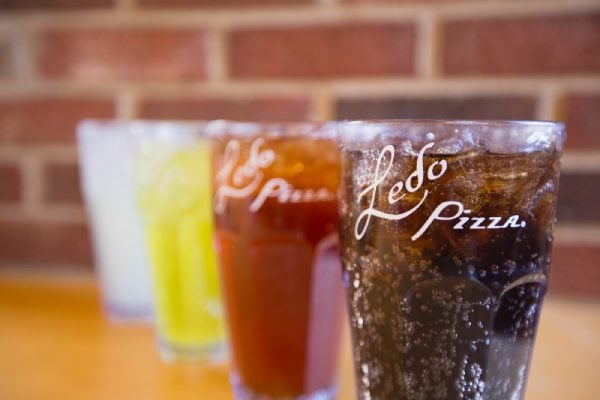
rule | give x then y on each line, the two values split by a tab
63	60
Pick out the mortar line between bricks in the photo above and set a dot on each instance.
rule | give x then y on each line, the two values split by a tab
584	234
11	156
65	274
13	212
566	233
547	100
216	55
425	48
460	86
67	152
329	3
574	161
498	9
49	214
23	55
292	15
11	89
33	183
125	5
11	39
32	167
347	88
323	104
126	104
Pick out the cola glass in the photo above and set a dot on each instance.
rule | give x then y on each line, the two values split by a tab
446	237
275	207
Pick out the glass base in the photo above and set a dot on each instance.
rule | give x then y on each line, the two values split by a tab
241	392
213	353
119	313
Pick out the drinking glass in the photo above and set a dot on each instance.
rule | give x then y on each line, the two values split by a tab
275	208
172	166
105	159
446	238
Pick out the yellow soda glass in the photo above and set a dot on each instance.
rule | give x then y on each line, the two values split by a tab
174	194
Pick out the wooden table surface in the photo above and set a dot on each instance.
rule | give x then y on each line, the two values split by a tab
56	344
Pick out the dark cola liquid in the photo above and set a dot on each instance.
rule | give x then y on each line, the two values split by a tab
453	313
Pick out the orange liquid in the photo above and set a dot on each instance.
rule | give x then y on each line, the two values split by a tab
281	279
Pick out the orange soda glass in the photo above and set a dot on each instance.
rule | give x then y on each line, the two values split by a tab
275	207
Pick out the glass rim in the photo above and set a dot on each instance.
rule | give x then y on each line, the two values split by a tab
223	129
141	122
138	130
453	122
524	134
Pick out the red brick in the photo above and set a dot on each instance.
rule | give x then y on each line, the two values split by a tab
478	107
217	3
579	197
61	184
582	114
46	243
47	121
10	182
575	270
54	4
323	51
274	109
537	45
126	54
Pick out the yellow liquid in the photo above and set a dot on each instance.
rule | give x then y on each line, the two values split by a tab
175	199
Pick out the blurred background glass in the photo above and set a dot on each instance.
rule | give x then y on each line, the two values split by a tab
173	182
106	151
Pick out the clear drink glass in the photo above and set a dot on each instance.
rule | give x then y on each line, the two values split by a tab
275	208
173	178
446	237
105	153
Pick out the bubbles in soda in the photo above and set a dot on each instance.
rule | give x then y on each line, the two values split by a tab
450	313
